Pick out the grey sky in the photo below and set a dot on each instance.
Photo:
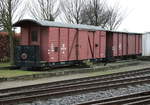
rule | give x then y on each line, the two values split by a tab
138	19
138	16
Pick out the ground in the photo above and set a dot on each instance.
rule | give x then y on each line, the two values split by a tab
4	64
14	73
9	84
4	73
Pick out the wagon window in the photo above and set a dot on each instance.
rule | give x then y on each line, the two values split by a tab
34	36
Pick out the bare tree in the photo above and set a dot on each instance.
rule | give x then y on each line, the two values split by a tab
115	18
8	9
94	13
72	10
98	13
44	9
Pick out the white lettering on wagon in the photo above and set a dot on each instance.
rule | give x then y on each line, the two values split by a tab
48	51
63	48
52	47
120	46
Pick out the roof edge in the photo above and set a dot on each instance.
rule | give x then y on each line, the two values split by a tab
26	20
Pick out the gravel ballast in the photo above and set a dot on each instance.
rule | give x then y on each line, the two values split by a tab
72	100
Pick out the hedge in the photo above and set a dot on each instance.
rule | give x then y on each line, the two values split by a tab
4	46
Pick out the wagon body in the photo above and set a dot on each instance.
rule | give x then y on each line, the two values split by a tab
60	44
42	38
123	44
63	43
69	44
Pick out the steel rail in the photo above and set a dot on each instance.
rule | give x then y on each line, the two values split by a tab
77	86
76	81
61	91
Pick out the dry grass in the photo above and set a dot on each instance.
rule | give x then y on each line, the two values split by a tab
14	73
4	64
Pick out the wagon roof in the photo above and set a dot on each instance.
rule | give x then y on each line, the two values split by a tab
57	24
132	33
46	23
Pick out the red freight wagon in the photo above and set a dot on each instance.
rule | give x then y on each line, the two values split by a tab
123	44
49	43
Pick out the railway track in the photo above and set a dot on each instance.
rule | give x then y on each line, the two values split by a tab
141	98
70	87
79	81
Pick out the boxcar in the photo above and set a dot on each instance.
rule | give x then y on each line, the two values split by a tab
122	44
45	43
145	44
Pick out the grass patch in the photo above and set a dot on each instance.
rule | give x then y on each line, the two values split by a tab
144	58
14	73
110	71
4	64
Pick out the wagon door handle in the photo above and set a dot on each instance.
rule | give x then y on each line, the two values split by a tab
96	45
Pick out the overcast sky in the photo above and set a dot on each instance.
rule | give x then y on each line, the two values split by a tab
138	18
138	15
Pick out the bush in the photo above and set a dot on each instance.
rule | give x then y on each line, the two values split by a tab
4	46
